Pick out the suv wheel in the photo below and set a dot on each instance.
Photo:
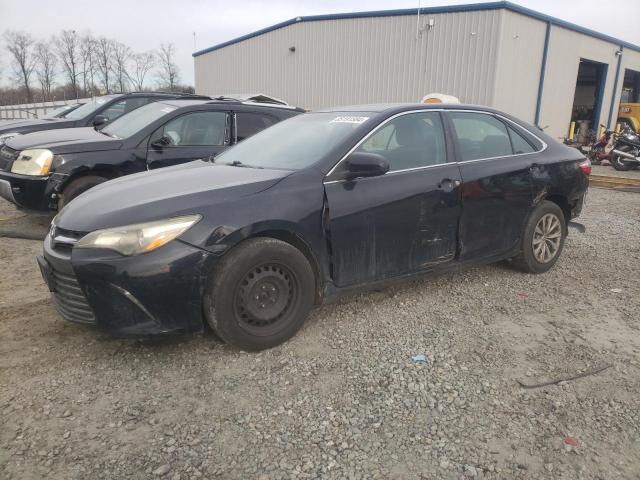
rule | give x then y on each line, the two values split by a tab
260	294
543	239
78	186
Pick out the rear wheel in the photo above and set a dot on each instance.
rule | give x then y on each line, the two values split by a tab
619	163
78	186
260	294
543	239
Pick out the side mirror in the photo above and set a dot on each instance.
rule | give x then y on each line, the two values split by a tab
100	120
161	142
363	164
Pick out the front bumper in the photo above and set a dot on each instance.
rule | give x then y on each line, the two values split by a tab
155	293
25	191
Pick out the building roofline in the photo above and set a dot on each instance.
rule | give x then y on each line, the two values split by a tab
473	7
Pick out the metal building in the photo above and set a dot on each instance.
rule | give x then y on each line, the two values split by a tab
539	68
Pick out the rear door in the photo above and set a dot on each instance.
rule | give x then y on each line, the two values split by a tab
191	136
401	222
495	163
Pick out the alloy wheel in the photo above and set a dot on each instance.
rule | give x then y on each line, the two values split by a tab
547	237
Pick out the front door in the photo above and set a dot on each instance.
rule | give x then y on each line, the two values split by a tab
188	137
401	222
495	163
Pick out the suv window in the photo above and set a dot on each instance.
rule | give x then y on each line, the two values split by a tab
409	141
248	124
481	135
124	106
196	129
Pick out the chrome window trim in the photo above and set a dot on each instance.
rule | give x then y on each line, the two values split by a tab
422	110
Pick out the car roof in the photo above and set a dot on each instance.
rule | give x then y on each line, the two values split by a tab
387	107
223	101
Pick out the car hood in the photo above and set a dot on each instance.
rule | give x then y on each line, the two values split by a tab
33	125
163	193
66	140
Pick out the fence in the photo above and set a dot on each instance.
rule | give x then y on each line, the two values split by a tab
34	110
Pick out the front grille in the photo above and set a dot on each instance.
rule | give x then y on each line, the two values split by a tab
7	156
64	240
69	299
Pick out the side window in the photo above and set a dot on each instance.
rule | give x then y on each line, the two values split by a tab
409	141
124	106
197	129
480	135
248	124
520	145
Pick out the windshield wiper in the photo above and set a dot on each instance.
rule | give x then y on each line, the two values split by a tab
238	163
105	133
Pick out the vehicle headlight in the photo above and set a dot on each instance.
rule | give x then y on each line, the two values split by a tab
36	162
6	136
140	238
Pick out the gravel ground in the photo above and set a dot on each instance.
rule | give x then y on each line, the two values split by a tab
344	399
612	172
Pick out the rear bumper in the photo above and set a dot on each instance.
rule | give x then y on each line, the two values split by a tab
149	294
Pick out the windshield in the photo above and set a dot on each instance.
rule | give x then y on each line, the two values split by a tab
295	143
131	123
59	112
88	108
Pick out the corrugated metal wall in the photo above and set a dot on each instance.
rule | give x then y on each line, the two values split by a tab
362	60
521	47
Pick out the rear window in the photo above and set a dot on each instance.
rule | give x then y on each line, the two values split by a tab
481	135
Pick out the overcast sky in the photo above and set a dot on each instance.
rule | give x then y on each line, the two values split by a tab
145	24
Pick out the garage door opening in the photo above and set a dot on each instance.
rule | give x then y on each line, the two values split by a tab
629	113
587	101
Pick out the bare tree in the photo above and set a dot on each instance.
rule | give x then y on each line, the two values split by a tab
103	48
142	63
168	73
20	46
121	54
68	46
88	61
45	68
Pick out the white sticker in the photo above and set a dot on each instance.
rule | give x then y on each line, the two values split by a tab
349	120
100	101
167	110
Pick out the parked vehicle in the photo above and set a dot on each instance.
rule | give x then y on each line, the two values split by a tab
46	170
96	113
629	115
626	152
599	148
61	112
320	204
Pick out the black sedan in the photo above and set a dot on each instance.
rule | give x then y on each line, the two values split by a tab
46	170
320	204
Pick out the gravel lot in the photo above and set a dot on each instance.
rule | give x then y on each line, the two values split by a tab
344	399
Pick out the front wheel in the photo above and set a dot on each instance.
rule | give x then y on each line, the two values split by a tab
543	239
619	163
78	186
260	294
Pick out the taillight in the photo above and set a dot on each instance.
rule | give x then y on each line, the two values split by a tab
585	166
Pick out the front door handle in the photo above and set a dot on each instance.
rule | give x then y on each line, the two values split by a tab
447	185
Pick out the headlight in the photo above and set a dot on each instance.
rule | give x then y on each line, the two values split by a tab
140	238
36	162
6	136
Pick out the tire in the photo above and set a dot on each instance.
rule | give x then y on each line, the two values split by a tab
271	269
532	259
619	164
78	186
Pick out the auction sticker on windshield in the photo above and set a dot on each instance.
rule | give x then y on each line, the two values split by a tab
167	110
349	120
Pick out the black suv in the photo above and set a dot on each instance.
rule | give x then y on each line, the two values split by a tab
45	170
95	113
